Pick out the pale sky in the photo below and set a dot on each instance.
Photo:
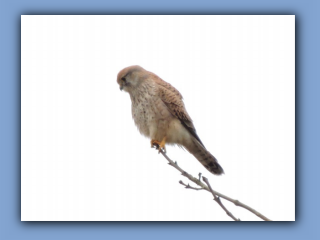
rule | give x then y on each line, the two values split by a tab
83	159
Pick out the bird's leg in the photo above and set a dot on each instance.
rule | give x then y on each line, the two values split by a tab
163	145
160	145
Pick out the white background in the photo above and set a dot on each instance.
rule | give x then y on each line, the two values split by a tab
83	158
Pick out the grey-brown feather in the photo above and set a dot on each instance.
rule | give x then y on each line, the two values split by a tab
177	108
204	157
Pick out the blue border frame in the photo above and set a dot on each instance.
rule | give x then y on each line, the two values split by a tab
307	122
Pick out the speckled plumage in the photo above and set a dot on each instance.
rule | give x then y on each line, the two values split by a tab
159	113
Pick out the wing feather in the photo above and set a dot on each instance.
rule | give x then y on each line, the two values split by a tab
174	101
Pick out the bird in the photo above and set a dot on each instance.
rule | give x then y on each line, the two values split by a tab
159	113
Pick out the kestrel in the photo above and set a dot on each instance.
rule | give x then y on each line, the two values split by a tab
159	113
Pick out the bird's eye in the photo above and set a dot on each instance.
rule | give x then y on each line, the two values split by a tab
123	79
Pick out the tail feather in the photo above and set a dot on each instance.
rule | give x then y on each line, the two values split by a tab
204	157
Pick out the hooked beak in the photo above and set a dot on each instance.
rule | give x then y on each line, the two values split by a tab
121	87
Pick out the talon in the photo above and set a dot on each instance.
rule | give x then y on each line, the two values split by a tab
155	143
159	145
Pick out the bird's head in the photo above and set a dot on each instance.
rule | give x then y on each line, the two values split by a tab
130	78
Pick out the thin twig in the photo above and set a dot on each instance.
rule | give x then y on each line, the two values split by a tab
188	186
217	199
202	185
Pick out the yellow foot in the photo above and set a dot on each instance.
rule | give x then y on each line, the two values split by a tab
159	145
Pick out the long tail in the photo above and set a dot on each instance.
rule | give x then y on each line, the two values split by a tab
204	157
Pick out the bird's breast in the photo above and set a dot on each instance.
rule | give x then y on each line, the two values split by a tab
149	112
144	111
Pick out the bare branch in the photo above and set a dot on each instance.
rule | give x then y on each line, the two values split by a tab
205	187
217	199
